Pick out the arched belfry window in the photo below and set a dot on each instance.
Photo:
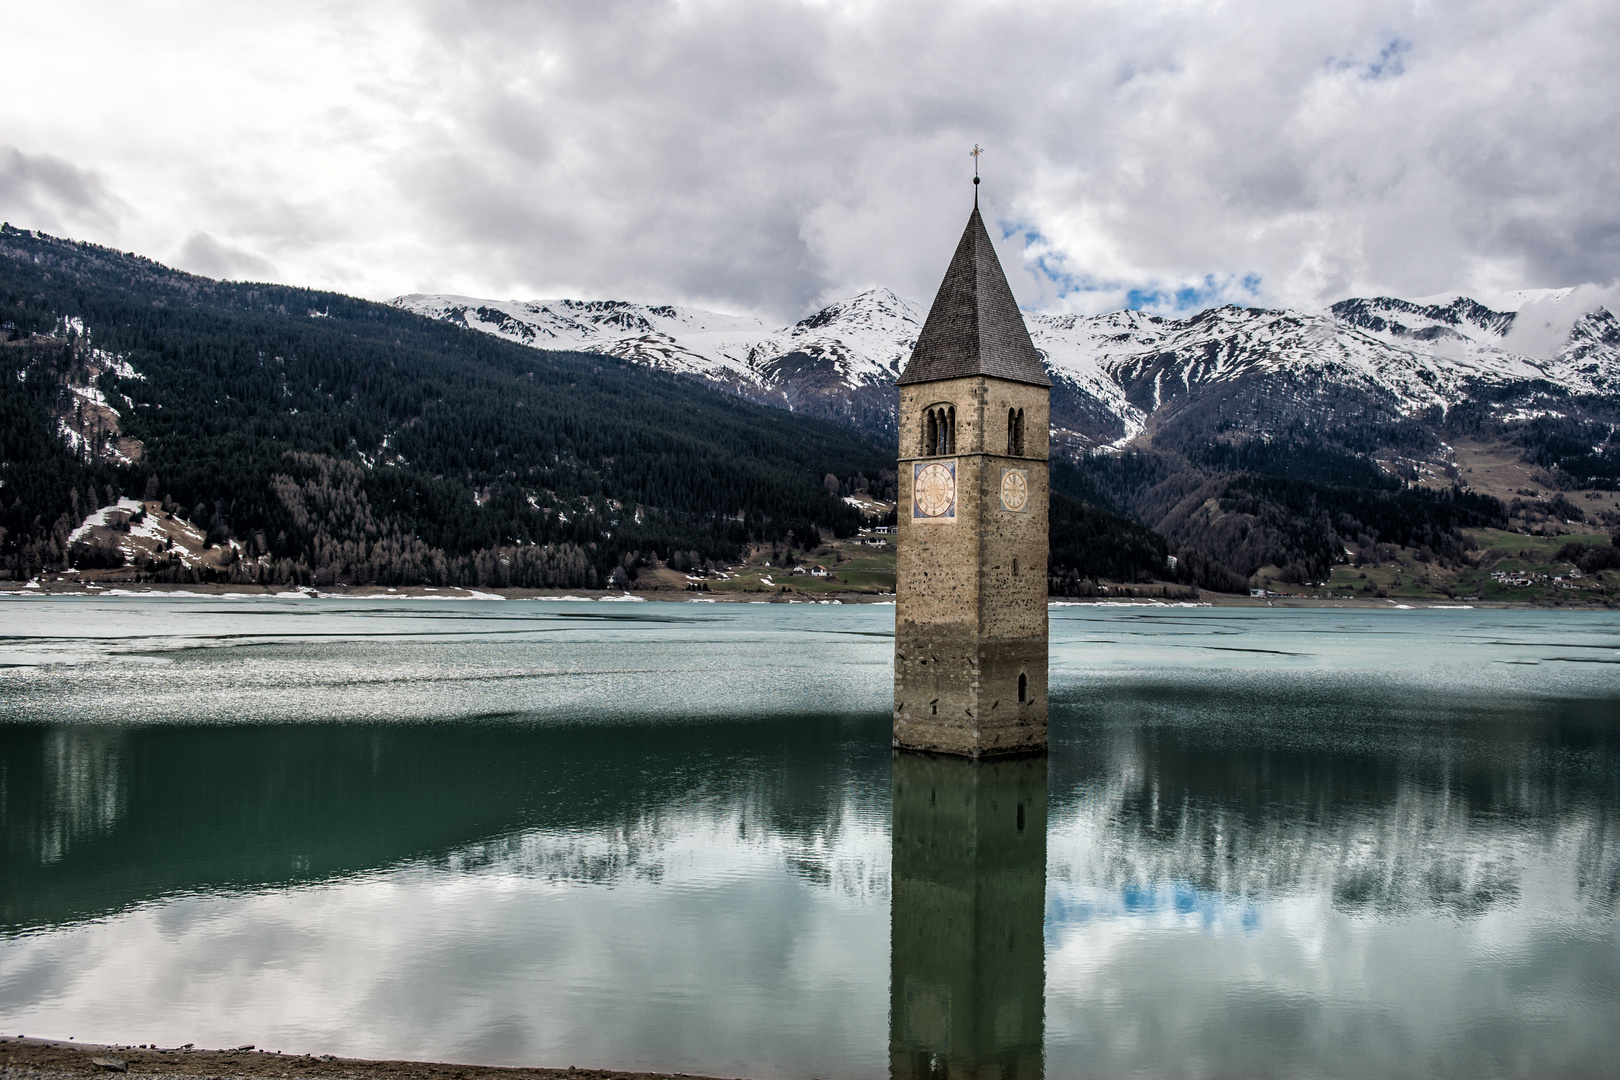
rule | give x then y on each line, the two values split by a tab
1015	432
939	431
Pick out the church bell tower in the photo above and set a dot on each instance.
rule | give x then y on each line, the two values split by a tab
970	615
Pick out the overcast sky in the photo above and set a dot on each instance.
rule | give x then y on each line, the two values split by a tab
768	157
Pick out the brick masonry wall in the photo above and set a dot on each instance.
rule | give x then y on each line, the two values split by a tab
967	625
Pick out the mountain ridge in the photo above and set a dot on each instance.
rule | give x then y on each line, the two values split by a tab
1114	373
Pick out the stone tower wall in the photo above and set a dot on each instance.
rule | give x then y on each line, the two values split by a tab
966	624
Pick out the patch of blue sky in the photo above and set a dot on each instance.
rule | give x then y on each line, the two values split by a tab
1070	907
1390	62
1213	291
1179	298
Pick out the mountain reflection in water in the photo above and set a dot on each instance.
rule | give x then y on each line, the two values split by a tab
1272	867
94	819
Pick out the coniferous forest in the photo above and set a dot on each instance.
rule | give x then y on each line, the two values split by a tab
350	441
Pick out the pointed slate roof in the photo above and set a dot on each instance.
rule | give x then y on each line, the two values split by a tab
974	327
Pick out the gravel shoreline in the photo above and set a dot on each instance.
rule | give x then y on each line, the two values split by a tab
48	1059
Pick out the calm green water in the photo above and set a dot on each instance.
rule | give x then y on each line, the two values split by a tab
673	836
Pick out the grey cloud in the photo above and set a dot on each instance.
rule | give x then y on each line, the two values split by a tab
626	148
771	155
212	257
47	192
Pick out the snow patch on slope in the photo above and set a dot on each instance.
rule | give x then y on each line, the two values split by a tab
682	340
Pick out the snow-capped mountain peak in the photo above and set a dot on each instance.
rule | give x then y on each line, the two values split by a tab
1117	375
864	340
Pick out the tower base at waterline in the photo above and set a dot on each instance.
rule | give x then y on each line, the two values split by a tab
957	693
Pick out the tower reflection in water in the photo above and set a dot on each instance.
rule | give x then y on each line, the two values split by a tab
967	975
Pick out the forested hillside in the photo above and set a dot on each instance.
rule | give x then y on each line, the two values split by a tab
325	438
1300	504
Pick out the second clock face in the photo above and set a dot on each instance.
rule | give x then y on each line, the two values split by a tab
1014	490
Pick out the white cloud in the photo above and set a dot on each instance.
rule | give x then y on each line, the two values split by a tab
762	156
1543	323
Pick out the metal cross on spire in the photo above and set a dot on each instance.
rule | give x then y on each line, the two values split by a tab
974	153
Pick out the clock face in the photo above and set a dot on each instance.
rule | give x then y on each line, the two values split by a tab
933	490
1014	490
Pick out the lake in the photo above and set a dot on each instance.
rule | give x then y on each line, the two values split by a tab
674	837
